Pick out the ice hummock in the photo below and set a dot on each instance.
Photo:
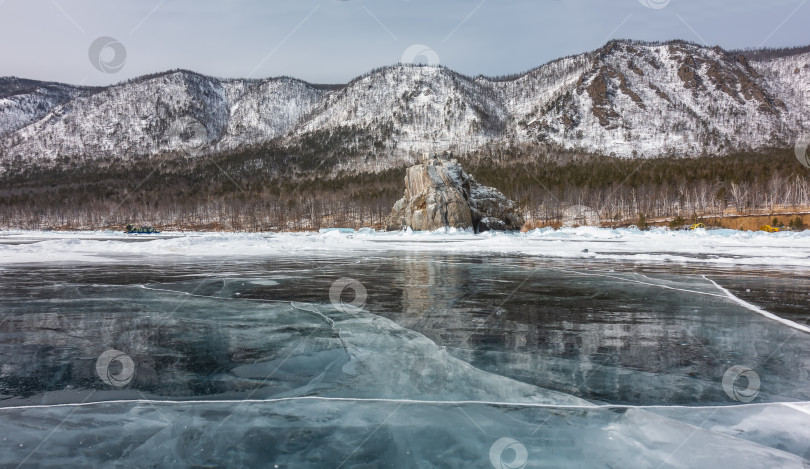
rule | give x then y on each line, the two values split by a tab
714	247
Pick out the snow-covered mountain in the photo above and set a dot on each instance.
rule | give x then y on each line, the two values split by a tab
670	99
629	99
168	112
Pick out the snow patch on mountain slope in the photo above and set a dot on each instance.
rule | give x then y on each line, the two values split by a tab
23	102
415	109
266	109
788	78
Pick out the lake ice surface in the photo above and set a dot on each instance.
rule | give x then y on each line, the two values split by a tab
569	348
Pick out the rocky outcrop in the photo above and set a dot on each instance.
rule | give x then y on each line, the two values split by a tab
438	194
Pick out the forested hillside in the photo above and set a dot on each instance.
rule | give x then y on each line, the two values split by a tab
237	192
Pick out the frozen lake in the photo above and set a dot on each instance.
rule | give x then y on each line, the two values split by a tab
574	348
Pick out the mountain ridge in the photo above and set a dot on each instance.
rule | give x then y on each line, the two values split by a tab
626	99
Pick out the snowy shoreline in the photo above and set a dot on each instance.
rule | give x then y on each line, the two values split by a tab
713	247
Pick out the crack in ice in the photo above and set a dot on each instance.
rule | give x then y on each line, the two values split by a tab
793	405
759	310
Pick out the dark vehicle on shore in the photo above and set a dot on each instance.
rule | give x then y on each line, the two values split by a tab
144	229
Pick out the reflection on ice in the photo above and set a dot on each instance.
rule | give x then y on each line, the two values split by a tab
610	336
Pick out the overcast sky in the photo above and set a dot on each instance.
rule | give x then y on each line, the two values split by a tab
332	41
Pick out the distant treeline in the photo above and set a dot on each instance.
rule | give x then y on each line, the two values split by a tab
622	189
270	189
768	53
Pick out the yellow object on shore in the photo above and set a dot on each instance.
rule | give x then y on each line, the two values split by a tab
697	225
769	228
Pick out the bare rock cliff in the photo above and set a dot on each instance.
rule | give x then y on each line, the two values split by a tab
439	194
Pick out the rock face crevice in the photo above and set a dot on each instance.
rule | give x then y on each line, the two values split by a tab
439	194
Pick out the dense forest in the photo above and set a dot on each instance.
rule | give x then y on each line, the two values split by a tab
265	189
